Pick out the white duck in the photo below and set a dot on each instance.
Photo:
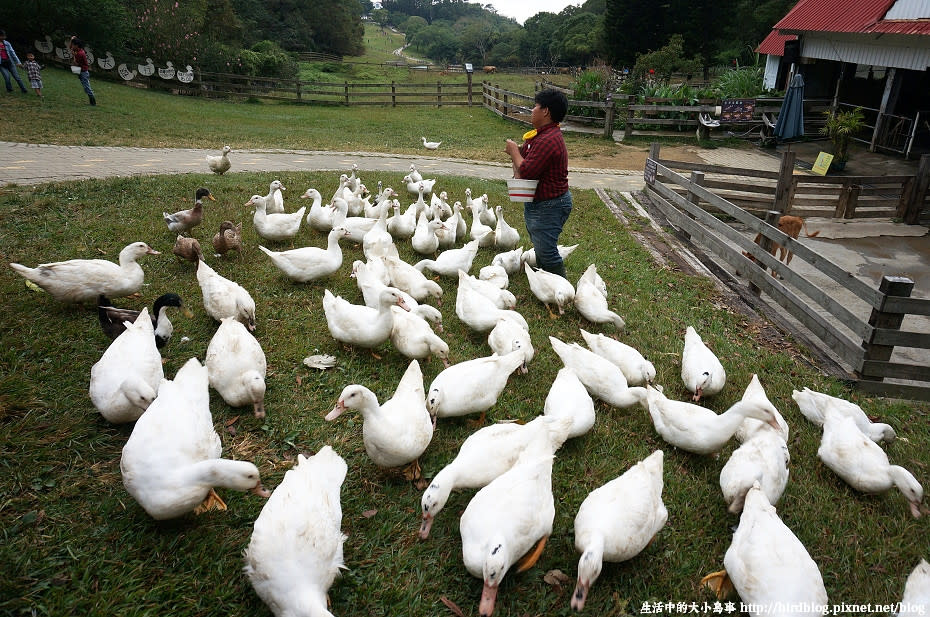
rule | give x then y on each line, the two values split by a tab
236	366
568	398
321	217
501	298
472	386
415	176
413	337
496	275
508	335
477	311
862	463
431	145
219	164
451	261
125	380
310	263
508	519
402	226
505	237
378	242
481	232
591	299
637	369
700	369
916	598
510	261
699	430
762	459
750	425
357	226
485	213
461	227
371	285
358	325
275	227
171	461
767	564
529	256
295	552
812	404
406	277
224	298
274	200
550	289
353	179
83	280
617	521
383	203
601	378
397	431
413	186
483	456
424	240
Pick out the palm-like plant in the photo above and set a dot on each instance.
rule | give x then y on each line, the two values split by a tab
839	128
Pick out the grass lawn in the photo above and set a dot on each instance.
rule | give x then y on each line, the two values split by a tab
74	541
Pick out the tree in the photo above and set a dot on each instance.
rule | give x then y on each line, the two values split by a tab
631	27
477	37
381	17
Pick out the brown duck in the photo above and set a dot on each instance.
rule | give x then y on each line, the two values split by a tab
188	248
228	238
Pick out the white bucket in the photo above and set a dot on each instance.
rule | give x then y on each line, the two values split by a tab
75	69
521	190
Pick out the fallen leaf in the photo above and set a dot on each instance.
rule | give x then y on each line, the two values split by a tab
299	380
556	578
232	420
452	606
369	513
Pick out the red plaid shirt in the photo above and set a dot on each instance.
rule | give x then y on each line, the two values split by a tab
546	159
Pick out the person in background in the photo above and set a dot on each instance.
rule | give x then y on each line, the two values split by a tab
79	58
34	71
543	157
8	63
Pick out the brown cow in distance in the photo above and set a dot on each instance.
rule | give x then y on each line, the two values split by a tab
489	69
790	226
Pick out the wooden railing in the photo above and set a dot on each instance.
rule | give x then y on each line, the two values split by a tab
516	106
847	197
865	343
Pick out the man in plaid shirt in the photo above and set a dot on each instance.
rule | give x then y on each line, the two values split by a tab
543	157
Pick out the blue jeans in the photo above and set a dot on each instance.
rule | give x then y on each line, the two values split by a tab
85	81
7	68
544	222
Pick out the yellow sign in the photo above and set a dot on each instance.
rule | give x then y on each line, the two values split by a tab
822	164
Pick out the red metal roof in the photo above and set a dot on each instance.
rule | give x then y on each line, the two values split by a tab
774	43
856	16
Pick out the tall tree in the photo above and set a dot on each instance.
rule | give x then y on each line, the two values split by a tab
632	27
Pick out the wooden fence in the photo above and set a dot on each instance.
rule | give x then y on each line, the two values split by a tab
517	106
847	197
868	348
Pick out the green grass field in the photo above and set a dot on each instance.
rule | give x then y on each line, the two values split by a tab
75	542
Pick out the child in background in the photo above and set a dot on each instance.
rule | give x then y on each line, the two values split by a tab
34	71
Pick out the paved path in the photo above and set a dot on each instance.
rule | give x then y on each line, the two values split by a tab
36	163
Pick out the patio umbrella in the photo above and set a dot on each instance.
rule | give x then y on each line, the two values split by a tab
790	122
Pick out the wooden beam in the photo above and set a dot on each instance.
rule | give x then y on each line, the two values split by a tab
890	286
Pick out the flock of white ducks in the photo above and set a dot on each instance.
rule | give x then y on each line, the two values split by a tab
172	461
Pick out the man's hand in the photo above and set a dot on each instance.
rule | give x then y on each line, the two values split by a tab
512	148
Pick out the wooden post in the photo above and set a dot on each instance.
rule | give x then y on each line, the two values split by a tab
469	89
438	94
899	286
851	202
609	119
840	210
771	217
915	198
654	149
628	127
298	90
393	94
783	189
506	103
347	92
697	178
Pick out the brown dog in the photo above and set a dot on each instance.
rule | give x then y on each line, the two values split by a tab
790	226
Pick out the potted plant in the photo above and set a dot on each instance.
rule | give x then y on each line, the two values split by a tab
839	129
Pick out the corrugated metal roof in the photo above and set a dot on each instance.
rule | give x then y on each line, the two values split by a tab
857	16
834	15
909	9
774	43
